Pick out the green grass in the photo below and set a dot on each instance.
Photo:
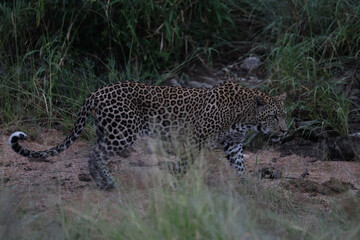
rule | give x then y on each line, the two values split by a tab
54	54
310	47
51	50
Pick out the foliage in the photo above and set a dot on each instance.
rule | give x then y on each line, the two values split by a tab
53	53
311	46
52	49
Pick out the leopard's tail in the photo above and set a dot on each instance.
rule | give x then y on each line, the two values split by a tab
67	142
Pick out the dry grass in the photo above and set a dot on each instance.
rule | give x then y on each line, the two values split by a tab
210	202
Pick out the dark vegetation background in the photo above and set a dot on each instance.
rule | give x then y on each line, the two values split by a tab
54	53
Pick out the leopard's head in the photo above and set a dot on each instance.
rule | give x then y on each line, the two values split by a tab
271	116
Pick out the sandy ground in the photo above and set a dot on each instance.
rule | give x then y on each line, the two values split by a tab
308	178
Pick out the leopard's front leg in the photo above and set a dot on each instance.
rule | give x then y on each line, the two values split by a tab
233	147
234	153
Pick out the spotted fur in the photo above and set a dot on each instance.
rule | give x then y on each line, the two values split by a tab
197	117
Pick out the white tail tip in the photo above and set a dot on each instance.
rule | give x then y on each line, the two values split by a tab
19	135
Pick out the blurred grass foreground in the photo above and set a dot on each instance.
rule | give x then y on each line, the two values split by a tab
195	209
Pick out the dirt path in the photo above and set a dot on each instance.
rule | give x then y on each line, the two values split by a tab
309	179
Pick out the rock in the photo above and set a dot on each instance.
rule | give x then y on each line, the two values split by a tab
343	148
84	177
301	147
250	63
277	174
270	173
206	82
198	81
355	135
172	81
339	148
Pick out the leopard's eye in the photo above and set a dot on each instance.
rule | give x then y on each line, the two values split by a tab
275	116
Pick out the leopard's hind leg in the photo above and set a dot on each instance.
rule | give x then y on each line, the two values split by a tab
98	169
112	139
98	160
98	163
191	151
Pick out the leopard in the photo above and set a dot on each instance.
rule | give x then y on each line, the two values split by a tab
199	117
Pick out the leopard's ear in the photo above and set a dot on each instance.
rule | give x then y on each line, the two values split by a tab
282	97
260	101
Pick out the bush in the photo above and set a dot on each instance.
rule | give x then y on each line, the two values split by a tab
51	49
310	45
